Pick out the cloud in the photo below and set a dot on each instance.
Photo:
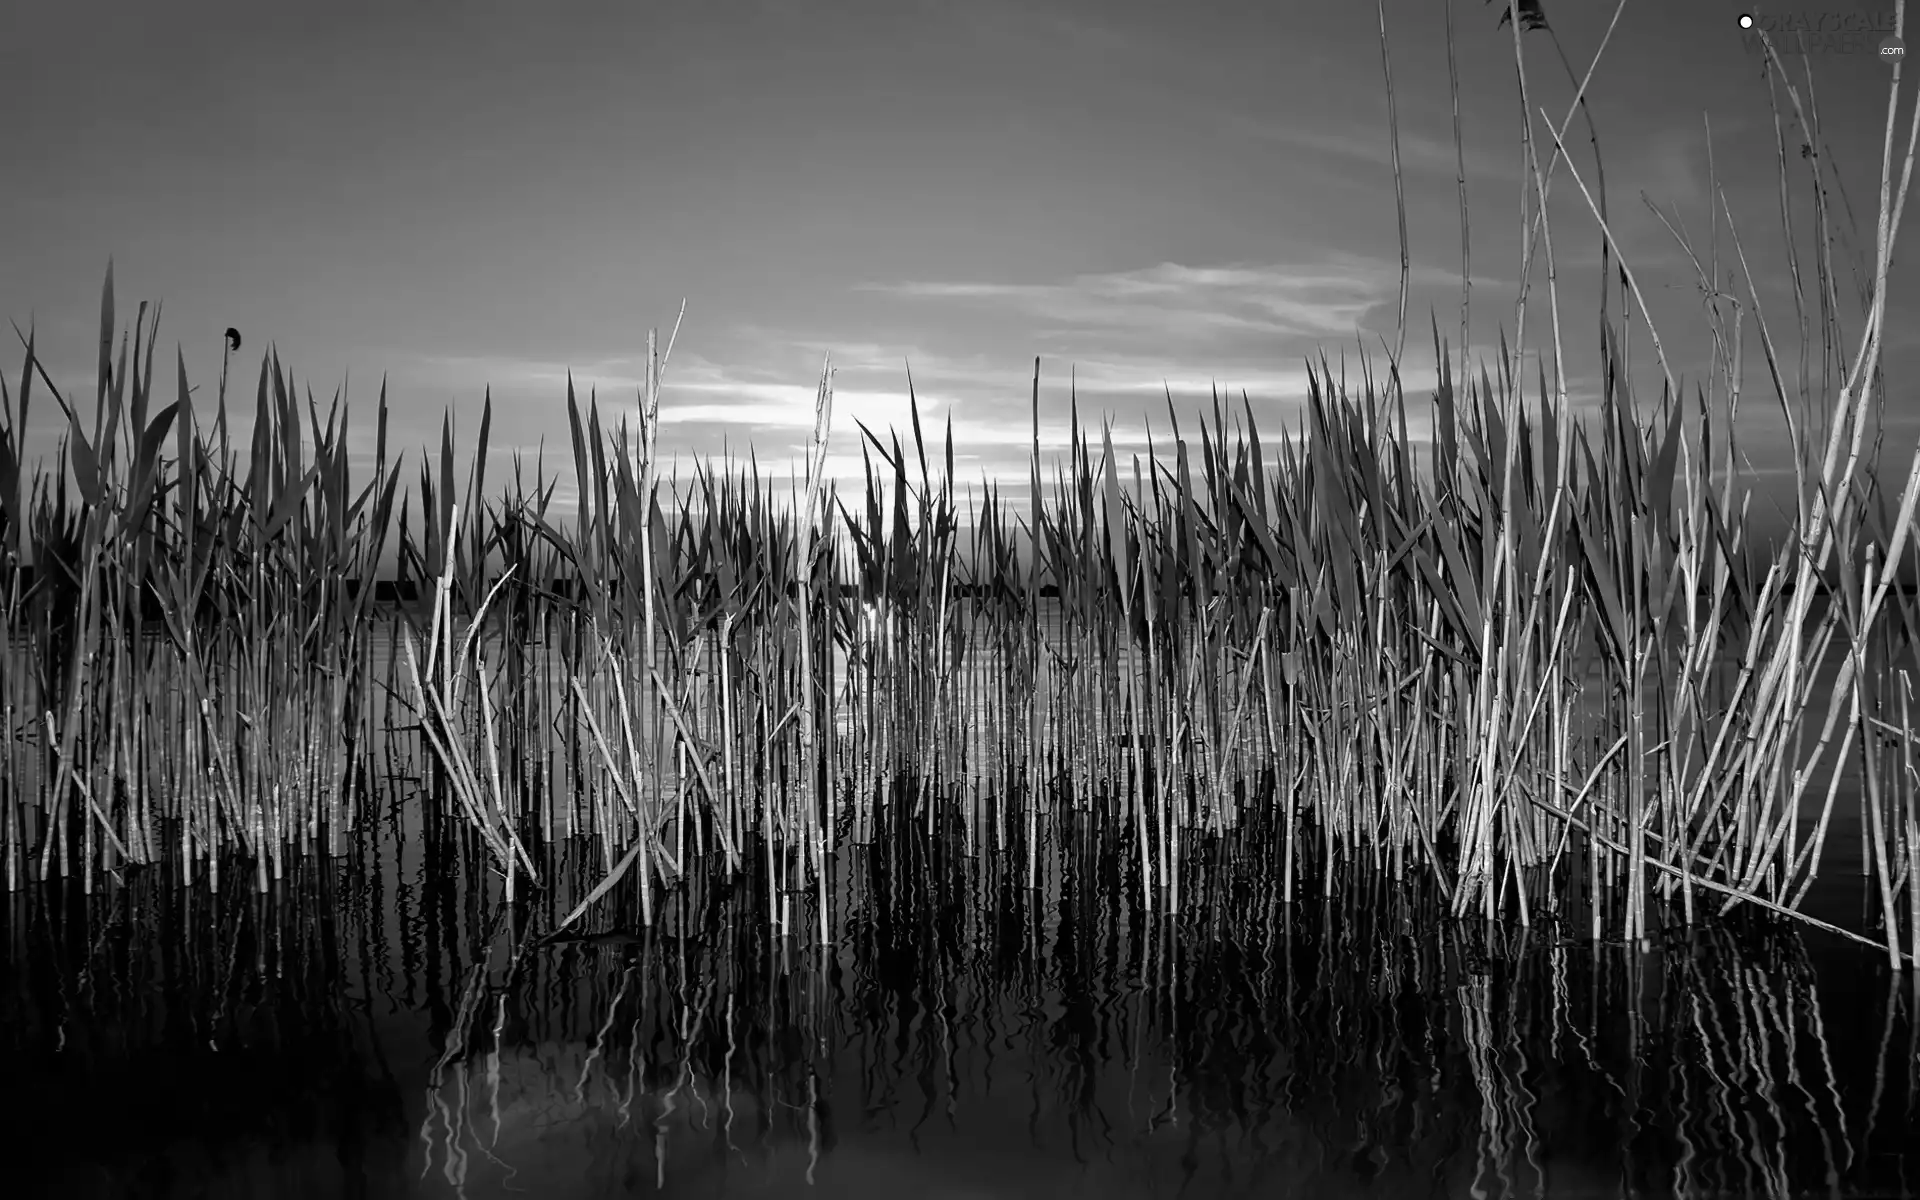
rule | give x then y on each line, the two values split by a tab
1117	342
1178	303
1370	145
481	370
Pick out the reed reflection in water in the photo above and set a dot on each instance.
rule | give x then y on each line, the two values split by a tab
376	1030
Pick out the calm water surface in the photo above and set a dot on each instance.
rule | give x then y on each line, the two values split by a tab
370	1032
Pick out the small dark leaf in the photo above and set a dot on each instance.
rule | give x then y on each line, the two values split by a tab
1532	16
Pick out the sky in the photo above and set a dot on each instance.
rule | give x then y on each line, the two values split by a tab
1153	199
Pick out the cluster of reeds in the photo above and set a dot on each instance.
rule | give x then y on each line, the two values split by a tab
1521	687
1538	659
185	661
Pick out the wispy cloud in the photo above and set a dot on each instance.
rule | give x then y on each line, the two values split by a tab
1120	343
1188	303
625	373
1369	144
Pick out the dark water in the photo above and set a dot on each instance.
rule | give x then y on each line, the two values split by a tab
378	1030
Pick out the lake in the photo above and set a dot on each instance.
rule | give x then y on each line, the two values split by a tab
374	1030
